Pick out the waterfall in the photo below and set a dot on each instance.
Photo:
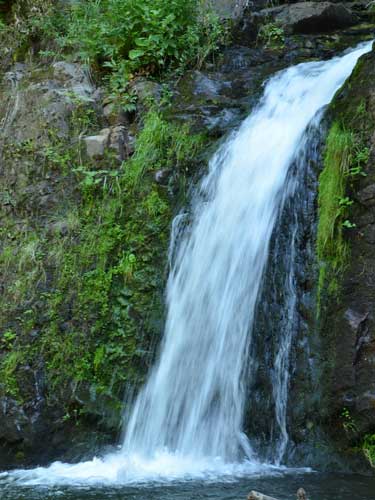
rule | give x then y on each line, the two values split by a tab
188	418
193	402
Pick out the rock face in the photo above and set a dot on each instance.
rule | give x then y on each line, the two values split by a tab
310	17
348	321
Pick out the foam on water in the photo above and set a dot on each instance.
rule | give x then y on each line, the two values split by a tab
163	468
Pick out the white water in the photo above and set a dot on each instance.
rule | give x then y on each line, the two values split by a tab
188	419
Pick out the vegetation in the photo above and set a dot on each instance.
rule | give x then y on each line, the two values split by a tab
118	38
368	448
332	248
84	299
85	294
344	161
271	35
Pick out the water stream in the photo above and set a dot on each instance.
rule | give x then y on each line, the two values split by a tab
187	421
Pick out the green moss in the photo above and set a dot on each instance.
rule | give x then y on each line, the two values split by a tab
332	249
87	293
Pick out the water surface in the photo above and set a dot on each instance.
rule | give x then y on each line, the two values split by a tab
282	486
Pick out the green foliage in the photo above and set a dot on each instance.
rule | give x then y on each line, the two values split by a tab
332	249
91	281
368	448
344	161
161	145
150	35
29	21
348	421
271	35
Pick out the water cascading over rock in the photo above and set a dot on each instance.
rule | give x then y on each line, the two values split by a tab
188	418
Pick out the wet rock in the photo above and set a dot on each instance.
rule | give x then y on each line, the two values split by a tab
13	419
50	98
310	17
75	78
355	319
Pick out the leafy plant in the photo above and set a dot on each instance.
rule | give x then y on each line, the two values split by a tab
348	225
8	338
347	421
271	35
142	37
368	448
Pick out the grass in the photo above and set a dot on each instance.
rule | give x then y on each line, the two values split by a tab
368	448
332	248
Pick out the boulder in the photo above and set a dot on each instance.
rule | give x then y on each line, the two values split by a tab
310	17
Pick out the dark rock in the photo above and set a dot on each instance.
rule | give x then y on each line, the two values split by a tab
310	17
162	176
367	195
147	91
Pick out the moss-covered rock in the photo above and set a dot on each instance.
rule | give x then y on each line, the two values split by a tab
346	258
83	254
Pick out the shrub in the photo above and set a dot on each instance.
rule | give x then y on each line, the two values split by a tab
142	37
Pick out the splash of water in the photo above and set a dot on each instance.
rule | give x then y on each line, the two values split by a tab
187	421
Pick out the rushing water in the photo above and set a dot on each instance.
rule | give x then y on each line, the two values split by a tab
187	421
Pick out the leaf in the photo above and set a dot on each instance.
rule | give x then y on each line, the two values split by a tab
136	54
142	42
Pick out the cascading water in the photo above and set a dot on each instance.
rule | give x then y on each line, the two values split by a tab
188	418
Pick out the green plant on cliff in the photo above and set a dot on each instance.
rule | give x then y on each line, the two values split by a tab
97	307
271	35
345	159
368	448
332	249
150	35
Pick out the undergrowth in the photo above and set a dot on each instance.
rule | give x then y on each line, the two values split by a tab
85	300
120	39
344	160
368	448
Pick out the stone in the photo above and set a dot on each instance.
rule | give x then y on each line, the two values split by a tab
113	138
147	91
76	77
118	142
97	144
114	115
255	495
310	17
162	176
233	9
367	195
301	494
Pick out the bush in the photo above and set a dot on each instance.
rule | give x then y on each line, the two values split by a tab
142	37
